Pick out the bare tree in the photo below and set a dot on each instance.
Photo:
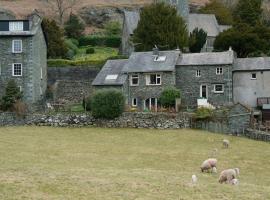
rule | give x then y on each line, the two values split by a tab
60	7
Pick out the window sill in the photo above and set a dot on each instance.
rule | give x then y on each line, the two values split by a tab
217	92
134	85
153	84
253	79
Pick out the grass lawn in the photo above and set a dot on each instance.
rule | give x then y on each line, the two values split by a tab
108	164
101	53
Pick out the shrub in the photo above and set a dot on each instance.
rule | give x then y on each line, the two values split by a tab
20	108
74	28
113	28
113	41
108	104
204	113
12	95
90	50
168	96
87	104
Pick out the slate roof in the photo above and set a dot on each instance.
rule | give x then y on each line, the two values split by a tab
144	62
252	64
112	67
207	58
131	20
207	22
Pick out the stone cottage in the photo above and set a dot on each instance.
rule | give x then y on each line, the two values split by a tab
23	56
145	75
207	22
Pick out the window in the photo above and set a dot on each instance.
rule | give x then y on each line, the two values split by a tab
160	58
15	26
253	76
198	73
219	70
111	77
134	102
20	88
153	79
17	46
134	80
219	88
17	69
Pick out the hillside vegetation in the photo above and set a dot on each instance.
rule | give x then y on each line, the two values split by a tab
106	164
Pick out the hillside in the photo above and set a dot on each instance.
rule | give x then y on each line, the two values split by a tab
23	7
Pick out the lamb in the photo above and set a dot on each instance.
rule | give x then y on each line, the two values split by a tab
228	175
209	164
194	179
214	170
226	143
234	181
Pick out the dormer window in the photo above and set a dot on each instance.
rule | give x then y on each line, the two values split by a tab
16	26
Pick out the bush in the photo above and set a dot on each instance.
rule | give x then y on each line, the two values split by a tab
90	50
108	104
74	28
12	95
99	40
87	104
20	108
113	28
204	113
168	96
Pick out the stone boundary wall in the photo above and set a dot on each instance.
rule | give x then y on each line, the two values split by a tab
127	120
257	135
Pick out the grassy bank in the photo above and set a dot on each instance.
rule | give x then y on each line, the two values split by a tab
61	163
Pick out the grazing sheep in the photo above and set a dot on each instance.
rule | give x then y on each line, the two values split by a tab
209	164
194	179
228	175
226	143
235	181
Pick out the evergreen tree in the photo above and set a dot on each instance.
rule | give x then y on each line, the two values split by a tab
248	11
55	38
222	13
160	25
246	40
74	28
113	28
197	40
12	95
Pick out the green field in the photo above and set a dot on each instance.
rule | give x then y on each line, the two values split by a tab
108	164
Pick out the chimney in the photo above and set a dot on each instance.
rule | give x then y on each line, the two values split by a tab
156	51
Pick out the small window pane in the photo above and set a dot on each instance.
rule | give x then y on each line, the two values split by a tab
17	46
134	102
253	76
15	26
152	79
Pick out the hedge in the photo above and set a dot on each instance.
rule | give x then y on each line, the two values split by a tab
109	41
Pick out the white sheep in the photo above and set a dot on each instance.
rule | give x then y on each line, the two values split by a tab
209	164
228	175
226	143
234	181
194	179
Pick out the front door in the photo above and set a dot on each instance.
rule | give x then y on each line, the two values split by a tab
150	104
204	92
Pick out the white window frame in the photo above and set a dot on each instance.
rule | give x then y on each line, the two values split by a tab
13	65
132	77
41	73
133	104
16	26
219	92
158	76
252	76
198	73
219	70
13	46
0	69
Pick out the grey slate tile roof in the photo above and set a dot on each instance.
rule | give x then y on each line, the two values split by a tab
131	20
207	22
112	67
208	58
252	64
144	62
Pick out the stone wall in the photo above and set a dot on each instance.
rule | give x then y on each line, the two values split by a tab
71	83
257	135
127	120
